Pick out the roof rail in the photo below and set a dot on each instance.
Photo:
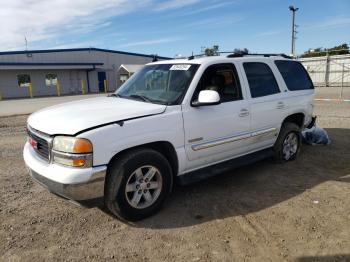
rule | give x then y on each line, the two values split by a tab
191	57
155	58
240	54
264	55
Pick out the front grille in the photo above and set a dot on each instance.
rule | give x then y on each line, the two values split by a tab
43	145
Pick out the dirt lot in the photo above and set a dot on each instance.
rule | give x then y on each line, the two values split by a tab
298	211
333	92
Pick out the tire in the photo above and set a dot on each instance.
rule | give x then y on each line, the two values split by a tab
289	140
137	184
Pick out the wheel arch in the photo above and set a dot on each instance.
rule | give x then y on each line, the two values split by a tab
296	118
164	147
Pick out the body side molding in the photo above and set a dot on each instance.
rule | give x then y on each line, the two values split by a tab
231	139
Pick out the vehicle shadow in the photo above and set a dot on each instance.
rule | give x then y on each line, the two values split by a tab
338	258
255	187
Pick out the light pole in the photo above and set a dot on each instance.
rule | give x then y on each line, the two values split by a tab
293	9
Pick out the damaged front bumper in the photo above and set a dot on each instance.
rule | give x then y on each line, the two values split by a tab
84	186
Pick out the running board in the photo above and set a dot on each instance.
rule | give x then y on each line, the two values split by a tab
225	166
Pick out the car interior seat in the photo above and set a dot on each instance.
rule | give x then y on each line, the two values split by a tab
217	83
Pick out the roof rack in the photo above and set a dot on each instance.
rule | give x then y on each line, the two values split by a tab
232	54
264	55
155	58
191	57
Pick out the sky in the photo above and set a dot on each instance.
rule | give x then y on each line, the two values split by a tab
172	27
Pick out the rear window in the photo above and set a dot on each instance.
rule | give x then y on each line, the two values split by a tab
294	75
261	80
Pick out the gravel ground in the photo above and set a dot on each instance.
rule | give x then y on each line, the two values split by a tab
299	211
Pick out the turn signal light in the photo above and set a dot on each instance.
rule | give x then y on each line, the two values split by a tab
79	162
82	146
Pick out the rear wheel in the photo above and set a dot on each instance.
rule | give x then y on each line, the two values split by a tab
288	143
137	184
290	146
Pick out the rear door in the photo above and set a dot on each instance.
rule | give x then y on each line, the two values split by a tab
217	132
300	88
267	103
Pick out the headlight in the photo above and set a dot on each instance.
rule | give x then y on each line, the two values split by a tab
73	145
72	151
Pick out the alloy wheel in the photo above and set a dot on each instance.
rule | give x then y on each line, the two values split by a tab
290	146
143	187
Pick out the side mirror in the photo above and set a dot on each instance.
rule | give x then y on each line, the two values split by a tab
207	98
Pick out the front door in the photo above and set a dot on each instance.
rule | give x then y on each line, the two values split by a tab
101	79
217	132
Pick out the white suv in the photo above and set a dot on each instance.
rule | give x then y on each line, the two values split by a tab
178	119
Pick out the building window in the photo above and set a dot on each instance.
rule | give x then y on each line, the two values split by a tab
23	80
51	80
123	78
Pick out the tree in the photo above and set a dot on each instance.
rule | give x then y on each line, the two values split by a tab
241	51
337	50
214	51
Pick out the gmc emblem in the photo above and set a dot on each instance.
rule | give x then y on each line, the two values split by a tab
33	143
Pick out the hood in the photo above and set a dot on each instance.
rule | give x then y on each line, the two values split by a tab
72	117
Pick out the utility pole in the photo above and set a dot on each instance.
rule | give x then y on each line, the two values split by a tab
26	42
293	9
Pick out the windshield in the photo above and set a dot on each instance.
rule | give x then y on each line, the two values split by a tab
161	84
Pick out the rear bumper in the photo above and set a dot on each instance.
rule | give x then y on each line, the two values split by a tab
312	122
84	186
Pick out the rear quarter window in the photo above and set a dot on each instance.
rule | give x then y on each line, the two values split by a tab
294	75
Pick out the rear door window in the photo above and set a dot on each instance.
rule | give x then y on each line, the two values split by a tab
294	75
261	80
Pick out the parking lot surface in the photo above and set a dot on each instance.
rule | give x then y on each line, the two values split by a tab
29	105
298	211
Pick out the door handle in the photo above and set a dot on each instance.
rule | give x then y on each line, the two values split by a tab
280	105
244	112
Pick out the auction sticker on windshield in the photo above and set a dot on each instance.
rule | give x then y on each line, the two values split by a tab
180	67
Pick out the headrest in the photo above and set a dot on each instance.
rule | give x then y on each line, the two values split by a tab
218	80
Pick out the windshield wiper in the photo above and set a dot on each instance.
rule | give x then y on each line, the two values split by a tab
141	97
149	100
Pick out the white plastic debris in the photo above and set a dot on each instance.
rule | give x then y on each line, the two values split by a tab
315	136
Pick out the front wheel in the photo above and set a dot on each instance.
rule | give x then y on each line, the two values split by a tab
137	184
288	143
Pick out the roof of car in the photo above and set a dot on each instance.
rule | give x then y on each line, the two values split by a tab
222	59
